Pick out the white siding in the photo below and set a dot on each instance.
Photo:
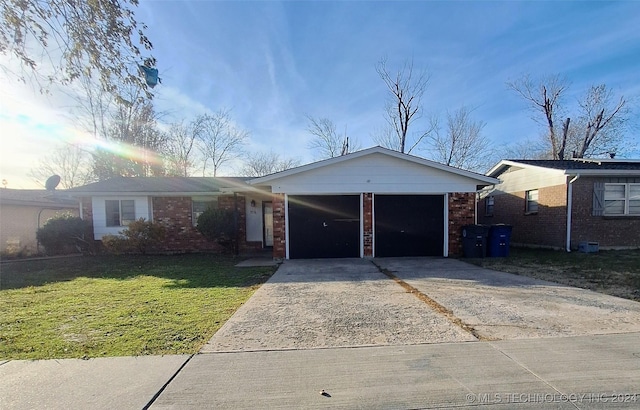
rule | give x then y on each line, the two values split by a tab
524	179
100	217
254	219
375	173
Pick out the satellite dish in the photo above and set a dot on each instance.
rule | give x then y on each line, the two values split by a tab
52	182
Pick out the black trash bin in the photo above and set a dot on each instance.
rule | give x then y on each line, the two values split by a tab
499	240
474	241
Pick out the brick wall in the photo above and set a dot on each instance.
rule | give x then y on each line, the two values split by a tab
279	238
461	213
545	228
175	214
611	232
368	224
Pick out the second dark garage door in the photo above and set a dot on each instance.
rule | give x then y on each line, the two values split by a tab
409	225
324	226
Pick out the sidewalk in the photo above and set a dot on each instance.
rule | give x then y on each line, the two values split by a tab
589	372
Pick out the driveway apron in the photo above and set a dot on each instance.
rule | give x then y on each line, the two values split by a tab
505	306
332	303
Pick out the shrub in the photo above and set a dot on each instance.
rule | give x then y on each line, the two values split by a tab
64	234
139	236
219	225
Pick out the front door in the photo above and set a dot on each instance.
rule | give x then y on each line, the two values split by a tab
267	217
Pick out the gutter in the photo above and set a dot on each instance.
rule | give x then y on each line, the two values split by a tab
569	209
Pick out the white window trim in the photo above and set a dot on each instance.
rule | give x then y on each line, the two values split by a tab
194	219
527	201
627	199
119	213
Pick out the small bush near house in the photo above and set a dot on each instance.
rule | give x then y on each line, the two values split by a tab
139	237
219	225
64	234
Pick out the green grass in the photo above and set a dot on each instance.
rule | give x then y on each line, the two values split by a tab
615	273
118	305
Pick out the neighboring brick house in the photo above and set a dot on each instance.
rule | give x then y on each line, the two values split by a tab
23	211
559	204
374	202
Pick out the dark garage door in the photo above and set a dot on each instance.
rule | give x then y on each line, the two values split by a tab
324	226
409	225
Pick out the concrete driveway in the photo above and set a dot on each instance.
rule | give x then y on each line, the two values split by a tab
402	301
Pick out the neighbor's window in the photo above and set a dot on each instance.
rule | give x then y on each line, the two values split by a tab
531	204
622	199
120	212
488	206
201	205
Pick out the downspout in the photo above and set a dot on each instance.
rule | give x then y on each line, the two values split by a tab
569	209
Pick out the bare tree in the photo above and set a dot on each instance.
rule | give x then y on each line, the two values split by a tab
75	38
603	119
70	162
181	139
404	106
326	141
260	164
545	96
133	144
461	143
527	149
220	141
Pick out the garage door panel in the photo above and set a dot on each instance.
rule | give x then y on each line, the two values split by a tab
409	225
324	226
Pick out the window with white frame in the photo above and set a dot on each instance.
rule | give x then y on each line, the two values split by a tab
621	199
199	205
120	212
488	206
531	201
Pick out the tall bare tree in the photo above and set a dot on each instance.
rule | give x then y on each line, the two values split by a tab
327	142
260	163
599	126
220	141
74	39
404	106
180	148
70	162
603	119
461	143
545	96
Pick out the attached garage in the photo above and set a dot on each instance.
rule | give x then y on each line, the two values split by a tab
409	225
371	203
324	226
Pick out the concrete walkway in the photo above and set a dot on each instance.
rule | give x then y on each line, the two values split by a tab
583	372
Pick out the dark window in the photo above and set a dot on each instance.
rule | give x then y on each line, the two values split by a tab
201	205
488	206
531	205
120	212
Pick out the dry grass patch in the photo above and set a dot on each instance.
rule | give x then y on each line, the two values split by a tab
614	273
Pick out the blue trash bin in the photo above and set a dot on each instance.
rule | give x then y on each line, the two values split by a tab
499	240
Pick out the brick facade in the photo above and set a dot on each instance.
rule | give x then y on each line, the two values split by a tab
279	234
609	232
368	224
175	214
461	213
546	228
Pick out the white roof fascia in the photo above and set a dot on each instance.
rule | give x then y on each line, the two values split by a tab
132	193
603	172
328	162
506	163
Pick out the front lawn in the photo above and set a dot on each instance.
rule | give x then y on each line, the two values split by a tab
118	305
615	273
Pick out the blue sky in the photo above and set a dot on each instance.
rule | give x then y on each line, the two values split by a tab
274	63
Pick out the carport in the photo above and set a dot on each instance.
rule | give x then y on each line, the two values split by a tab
371	203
